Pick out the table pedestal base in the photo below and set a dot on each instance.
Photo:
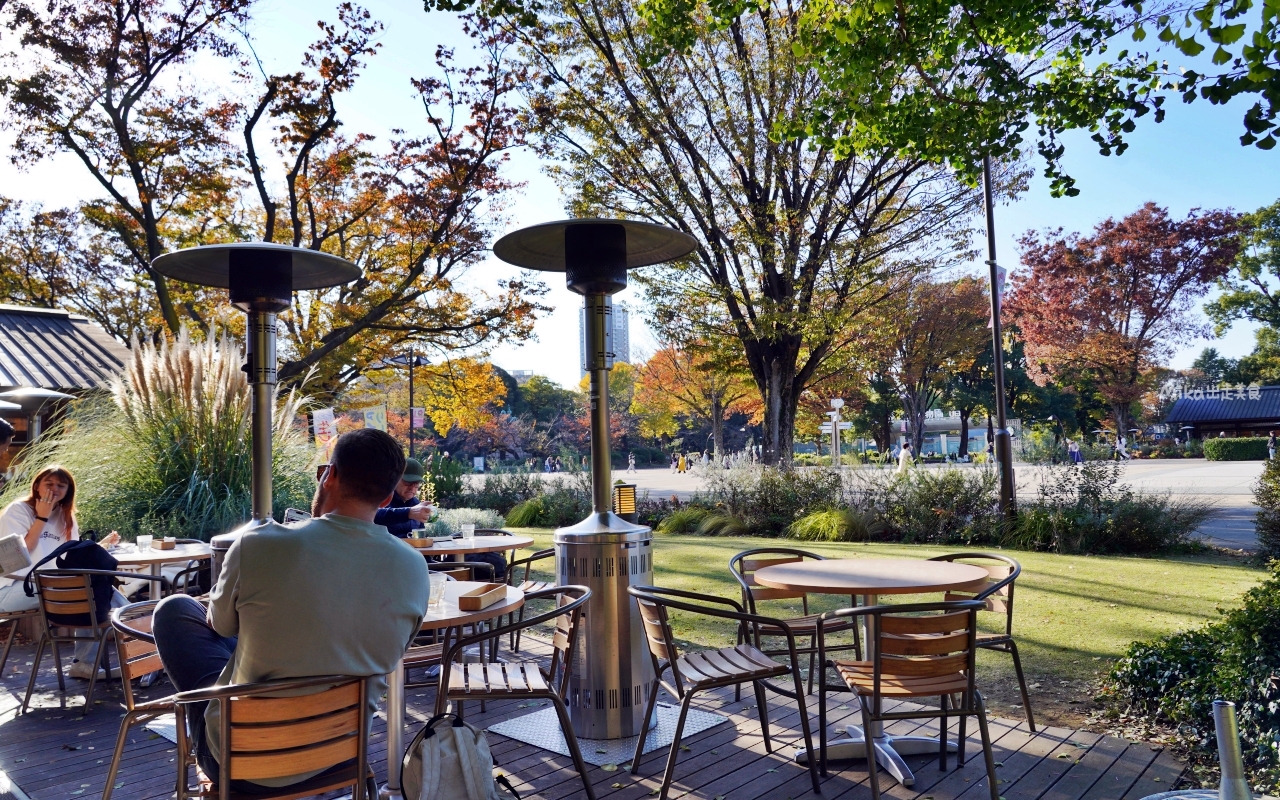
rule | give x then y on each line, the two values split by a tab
889	751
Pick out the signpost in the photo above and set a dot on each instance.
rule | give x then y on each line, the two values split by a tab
834	427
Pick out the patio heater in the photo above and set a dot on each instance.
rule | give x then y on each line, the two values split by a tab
612	673
261	278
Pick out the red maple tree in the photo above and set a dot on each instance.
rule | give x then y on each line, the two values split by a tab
1109	308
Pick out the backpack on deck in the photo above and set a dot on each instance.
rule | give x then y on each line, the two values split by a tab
81	554
451	762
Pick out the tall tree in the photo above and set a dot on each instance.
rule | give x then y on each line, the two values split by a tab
105	83
685	381
1249	290
1108	308
938	328
795	239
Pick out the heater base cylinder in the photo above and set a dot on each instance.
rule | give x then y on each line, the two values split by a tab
612	671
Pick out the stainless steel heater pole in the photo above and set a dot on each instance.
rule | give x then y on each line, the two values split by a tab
599	336
262	382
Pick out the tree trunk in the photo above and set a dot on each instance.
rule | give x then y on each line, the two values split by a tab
717	427
963	450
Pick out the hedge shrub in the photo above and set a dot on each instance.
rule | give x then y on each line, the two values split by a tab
1252	448
1176	679
1266	493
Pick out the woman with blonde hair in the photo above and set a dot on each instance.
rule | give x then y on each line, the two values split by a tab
44	519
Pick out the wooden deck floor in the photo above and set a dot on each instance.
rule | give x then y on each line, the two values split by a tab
53	753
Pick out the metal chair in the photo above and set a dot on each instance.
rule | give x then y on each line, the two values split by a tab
267	736
998	598
67	603
461	682
464	570
916	650
13	618
743	566
527	584
711	669
136	651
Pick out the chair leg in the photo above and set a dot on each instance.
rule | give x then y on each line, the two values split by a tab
813	653
762	704
986	744
571	739
963	735
35	669
873	770
180	728
8	643
57	664
822	723
1017	667
93	676
644	728
804	726
675	748
942	735
129	719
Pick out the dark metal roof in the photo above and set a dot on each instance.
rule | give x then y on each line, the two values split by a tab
1265	407
55	349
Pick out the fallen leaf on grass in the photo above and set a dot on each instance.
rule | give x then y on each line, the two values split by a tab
617	786
1157	780
1063	755
771	770
684	747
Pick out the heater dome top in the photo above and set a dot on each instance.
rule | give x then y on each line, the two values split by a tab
542	247
209	265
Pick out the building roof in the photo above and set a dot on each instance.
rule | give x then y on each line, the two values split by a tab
54	349
1257	404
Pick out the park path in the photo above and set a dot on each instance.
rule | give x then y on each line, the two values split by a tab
1226	485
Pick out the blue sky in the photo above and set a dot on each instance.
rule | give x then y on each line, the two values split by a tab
1192	159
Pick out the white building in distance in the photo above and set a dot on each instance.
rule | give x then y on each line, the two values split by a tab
621	338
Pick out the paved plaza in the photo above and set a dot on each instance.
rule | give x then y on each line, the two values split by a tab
1227	485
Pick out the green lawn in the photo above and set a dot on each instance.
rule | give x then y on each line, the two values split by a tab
1073	614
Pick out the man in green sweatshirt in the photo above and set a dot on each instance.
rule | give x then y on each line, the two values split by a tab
334	595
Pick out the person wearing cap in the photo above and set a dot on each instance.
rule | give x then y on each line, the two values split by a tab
405	513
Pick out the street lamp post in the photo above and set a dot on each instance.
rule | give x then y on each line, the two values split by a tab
1003	441
410	361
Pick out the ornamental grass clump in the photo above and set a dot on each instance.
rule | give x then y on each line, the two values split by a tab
169	451
1175	679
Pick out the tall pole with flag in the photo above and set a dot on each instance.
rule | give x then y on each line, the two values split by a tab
1003	441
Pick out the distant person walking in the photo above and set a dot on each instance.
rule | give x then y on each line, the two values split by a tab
675	463
682	464
1073	452
631	462
1271	446
905	459
1121	452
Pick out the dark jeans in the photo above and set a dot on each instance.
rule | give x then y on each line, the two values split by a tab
193	655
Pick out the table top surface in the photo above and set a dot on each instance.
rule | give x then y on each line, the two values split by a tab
181	552
872	576
479	544
447	614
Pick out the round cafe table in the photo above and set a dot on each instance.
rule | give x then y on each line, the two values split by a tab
869	578
459	549
156	558
441	617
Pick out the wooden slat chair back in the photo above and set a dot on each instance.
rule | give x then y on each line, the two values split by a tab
917	650
997	597
318	724
710	669
743	567
65	593
508	680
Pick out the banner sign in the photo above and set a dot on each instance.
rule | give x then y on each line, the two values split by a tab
1177	390
418	417
375	417
326	432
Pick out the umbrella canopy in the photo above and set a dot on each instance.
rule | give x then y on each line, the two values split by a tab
210	265
542	247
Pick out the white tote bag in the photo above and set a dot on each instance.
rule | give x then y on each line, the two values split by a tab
450	762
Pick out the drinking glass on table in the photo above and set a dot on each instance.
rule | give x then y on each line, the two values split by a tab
468	530
144	542
437	588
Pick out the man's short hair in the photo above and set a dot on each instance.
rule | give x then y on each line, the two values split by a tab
369	464
6	430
